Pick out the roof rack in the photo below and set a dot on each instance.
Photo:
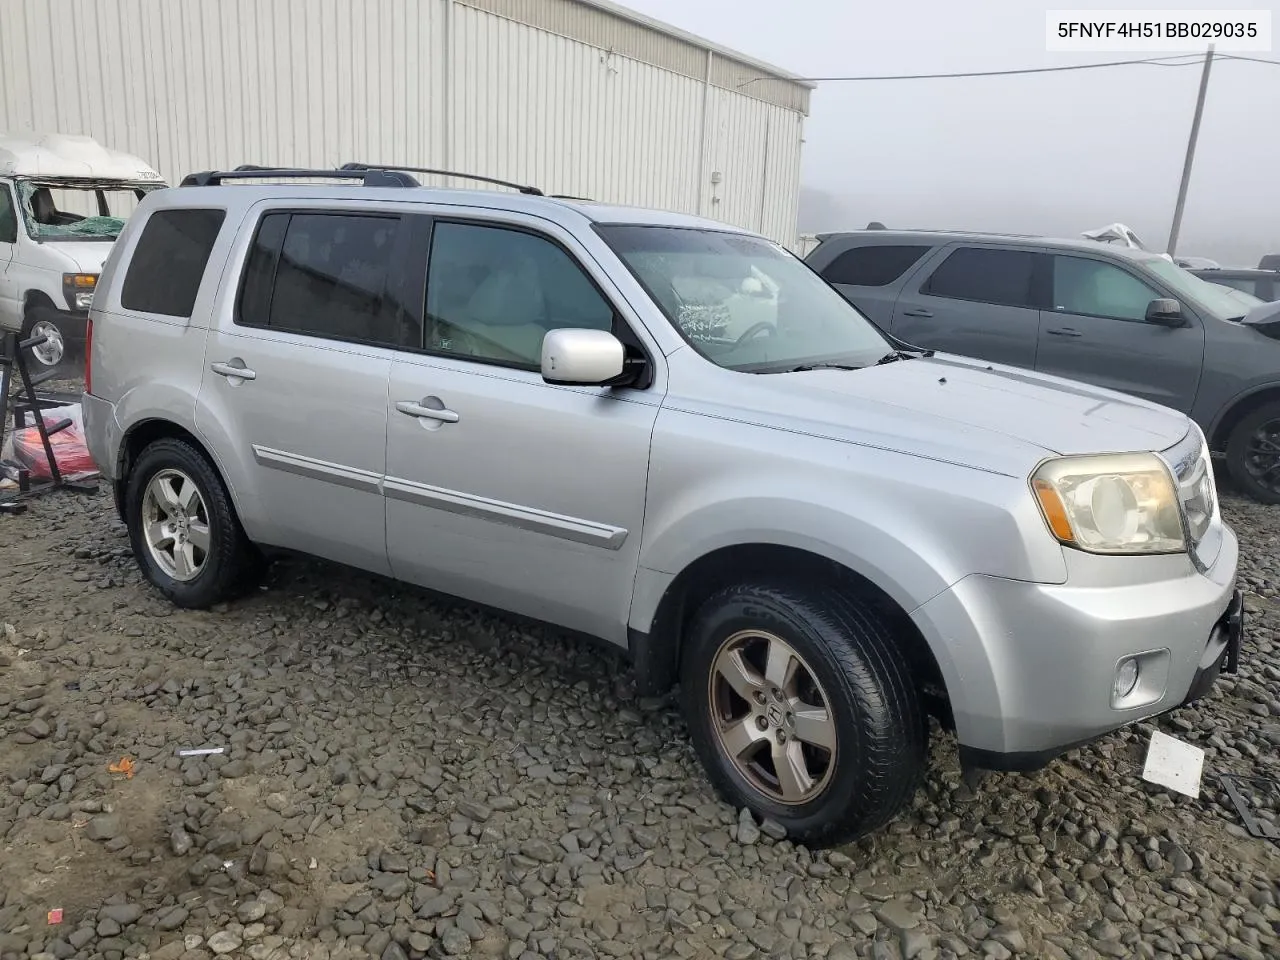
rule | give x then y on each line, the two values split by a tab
529	191
371	176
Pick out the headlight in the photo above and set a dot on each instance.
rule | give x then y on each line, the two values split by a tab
79	288
1114	503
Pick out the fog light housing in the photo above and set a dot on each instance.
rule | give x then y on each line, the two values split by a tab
1126	678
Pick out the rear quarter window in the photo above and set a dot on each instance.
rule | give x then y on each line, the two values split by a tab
876	266
169	260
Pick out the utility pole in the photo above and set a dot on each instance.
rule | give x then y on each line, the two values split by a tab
1191	153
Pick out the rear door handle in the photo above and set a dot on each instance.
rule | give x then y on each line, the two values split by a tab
917	312
1064	332
413	409
234	368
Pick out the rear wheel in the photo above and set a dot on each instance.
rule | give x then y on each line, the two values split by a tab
1253	453
802	710
183	528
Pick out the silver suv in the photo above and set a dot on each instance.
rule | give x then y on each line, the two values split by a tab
672	435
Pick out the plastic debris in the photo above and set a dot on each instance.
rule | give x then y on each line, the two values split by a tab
201	751
125	766
55	916
1174	764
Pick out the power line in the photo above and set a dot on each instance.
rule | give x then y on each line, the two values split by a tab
1180	60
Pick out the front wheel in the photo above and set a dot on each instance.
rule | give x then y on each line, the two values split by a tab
45	323
803	709
1253	453
183	529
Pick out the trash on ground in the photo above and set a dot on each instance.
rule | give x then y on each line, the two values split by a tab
1174	764
1257	800
201	751
69	448
125	766
55	916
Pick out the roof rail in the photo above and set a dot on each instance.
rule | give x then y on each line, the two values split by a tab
530	191
371	177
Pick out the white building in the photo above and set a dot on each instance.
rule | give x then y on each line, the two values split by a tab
578	97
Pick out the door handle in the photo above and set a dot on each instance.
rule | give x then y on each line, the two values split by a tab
234	368
413	409
1064	332
917	312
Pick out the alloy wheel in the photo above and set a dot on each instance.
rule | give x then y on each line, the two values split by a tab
175	524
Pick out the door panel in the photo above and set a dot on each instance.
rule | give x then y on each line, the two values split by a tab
975	301
531	500
1096	333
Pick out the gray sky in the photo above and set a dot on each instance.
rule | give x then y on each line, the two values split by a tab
1052	153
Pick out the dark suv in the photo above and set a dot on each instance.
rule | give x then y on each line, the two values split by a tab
1106	315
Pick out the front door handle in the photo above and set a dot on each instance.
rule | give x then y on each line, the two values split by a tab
1063	332
917	312
233	368
414	409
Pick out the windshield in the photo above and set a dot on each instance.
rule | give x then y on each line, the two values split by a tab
1213	297
745	303
77	210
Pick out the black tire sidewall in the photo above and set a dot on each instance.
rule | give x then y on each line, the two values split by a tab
851	800
1237	448
220	572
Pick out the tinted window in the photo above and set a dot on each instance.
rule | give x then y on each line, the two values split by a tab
985	275
8	217
1240	283
1099	289
872	266
169	260
323	274
492	293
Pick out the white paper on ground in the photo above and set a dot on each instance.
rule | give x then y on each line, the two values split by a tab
1174	764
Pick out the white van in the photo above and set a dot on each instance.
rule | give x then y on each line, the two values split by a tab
63	201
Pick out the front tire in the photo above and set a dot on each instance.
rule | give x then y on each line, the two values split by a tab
48	322
183	529
803	710
1253	453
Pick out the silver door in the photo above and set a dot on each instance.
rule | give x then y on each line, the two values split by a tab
501	488
294	395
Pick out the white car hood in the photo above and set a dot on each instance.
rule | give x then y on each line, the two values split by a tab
85	256
945	408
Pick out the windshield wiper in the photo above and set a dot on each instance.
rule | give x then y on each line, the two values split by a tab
822	366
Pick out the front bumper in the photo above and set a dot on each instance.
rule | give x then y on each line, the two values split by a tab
1031	668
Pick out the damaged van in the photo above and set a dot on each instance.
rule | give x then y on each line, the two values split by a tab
63	201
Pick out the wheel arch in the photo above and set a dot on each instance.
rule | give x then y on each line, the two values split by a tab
1237	409
656	653
142	434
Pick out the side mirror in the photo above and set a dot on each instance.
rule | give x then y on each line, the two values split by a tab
581	357
1166	312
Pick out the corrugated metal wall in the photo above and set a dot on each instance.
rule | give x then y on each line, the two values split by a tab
194	86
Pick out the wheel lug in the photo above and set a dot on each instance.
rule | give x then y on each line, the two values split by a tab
759	696
762	723
782	736
777	694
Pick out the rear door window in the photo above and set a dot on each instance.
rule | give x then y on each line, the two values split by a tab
876	266
169	260
986	275
326	275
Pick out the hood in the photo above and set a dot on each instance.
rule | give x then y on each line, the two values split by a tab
81	256
948	408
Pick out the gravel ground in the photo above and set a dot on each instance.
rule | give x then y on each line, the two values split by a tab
408	778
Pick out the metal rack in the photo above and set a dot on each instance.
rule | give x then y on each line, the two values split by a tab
26	404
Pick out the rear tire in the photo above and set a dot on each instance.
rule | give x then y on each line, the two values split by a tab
183	529
1253	453
837	748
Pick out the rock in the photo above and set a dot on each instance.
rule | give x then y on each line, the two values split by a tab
233	770
538	850
124	914
103	827
773	829
171	918
38	729
897	915
223	942
454	942
748	833
394	951
180	842
250	911
473	810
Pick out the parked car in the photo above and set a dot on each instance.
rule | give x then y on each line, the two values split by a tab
63	201
669	434
1104	314
1263	284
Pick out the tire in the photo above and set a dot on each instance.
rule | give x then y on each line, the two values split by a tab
203	577
1245	465
874	716
42	319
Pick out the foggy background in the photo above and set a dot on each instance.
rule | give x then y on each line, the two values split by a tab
1041	153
